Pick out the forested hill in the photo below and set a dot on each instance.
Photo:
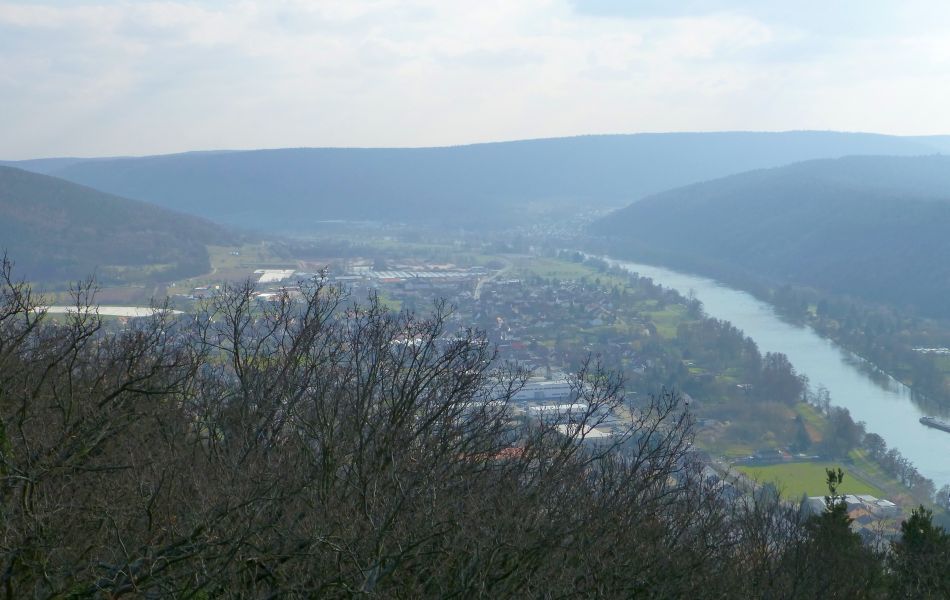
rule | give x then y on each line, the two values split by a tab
474	186
874	227
55	230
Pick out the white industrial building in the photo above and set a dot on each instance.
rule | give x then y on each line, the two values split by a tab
558	390
559	413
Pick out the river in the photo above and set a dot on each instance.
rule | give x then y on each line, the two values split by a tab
883	403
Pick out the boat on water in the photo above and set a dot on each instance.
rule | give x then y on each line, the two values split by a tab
936	423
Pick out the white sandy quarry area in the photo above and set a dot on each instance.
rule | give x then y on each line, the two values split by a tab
274	275
110	311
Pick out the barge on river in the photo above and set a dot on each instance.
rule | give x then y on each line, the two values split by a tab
936	423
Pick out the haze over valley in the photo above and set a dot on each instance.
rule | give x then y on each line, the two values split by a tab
477	186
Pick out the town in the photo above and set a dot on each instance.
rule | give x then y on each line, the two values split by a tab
550	314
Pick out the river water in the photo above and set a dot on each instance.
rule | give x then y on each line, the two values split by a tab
882	403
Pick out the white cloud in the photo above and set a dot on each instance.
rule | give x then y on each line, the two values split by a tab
114	77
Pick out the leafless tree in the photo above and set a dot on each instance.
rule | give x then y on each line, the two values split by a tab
313	446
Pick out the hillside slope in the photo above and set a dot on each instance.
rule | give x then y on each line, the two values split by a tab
875	227
56	230
474	186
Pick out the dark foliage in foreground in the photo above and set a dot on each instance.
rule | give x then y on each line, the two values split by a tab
314	448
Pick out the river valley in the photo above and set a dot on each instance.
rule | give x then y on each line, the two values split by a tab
883	403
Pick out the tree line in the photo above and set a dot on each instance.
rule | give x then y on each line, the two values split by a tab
883	335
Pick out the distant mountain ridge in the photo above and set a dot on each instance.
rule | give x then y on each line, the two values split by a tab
873	227
478	185
57	231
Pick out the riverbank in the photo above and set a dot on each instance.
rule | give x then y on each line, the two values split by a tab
885	407
888	339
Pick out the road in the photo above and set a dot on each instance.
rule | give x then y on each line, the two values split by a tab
496	275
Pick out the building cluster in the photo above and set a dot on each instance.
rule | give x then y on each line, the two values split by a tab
560	403
544	327
871	517
411	284
555	325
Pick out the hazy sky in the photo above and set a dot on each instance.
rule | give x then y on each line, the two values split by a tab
139	77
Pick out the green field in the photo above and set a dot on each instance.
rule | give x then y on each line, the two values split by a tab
250	257
667	320
553	268
795	479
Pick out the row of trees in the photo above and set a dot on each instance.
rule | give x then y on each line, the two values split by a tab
885	336
316	447
896	464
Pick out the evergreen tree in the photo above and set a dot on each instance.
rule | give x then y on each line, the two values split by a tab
920	560
835	562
